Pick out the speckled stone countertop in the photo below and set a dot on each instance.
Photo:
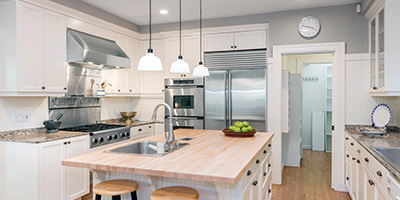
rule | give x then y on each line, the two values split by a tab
36	135
391	139
121	121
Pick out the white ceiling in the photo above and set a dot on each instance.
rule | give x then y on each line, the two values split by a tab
137	12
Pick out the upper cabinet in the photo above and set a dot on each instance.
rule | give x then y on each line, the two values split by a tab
235	41
33	50
383	48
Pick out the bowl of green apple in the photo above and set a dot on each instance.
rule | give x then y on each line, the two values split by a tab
240	129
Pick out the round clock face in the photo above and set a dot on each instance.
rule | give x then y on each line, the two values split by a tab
309	27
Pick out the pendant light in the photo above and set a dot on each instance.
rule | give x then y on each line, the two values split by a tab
180	66
150	62
201	70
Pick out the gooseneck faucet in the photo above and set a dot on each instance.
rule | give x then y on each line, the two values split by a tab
170	139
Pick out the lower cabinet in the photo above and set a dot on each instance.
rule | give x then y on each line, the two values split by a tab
35	172
361	183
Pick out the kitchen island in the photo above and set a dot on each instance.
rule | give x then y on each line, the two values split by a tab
218	167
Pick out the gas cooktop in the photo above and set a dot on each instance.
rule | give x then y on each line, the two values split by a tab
93	128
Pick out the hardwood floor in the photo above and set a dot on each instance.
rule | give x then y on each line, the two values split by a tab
311	181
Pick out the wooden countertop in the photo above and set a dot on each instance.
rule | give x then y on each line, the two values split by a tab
210	157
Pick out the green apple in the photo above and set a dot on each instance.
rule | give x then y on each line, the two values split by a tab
237	129
232	128
250	128
239	125
245	129
245	124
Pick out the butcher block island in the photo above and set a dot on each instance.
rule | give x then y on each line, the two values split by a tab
218	167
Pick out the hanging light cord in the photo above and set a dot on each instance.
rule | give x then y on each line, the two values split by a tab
150	27
180	29
201	33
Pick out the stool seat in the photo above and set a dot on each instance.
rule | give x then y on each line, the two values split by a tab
175	193
115	187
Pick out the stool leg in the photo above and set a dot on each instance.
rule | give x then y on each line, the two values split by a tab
118	197
98	197
134	195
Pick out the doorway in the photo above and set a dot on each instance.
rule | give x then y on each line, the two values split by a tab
338	107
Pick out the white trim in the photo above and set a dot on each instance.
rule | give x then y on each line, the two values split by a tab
355	57
211	30
338	105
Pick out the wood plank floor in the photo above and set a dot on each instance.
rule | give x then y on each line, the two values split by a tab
311	181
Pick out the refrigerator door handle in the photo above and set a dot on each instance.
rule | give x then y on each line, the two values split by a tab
229	97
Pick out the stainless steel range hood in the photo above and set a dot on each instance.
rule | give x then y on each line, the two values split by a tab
89	51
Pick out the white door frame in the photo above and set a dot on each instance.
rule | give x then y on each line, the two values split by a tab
338	106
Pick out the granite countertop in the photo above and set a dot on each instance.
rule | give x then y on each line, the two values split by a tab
121	121
390	140
36	135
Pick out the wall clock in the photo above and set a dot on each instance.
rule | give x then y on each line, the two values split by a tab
309	27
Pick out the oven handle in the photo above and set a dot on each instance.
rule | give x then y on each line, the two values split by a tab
187	118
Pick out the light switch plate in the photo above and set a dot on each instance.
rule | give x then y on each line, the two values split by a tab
21	117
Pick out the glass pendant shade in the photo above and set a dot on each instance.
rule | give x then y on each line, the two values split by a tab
201	70
180	66
150	62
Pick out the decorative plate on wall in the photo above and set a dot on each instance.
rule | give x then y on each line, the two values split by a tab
381	116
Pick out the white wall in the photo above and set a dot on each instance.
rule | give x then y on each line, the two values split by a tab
36	108
145	107
359	103
111	107
313	98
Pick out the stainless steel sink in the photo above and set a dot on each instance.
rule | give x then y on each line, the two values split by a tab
392	155
145	148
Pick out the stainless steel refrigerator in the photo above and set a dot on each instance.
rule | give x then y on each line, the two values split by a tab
236	89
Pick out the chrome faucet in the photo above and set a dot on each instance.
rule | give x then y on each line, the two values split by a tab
170	139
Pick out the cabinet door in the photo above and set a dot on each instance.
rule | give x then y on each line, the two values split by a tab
153	82
361	183
55	52
251	40
30	48
247	192
134	55
51	171
171	53
353	178
381	48
76	179
369	187
219	42
256	186
191	52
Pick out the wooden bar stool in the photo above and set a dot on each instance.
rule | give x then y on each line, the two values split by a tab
175	193
116	188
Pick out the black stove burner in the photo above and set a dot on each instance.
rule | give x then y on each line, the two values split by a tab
92	128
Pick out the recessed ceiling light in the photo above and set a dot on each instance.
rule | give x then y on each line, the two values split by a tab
164	12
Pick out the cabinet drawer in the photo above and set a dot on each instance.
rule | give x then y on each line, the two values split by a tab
266	169
263	161
351	142
374	167
393	187
142	131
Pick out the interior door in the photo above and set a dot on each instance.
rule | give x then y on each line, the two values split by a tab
215	100
248	97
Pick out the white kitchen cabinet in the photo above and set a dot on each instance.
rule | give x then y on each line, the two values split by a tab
76	180
159	128
219	42
171	53
365	178
55	52
191	52
56	181
235	41
124	81
143	131
383	18
153	81
34	50
34	171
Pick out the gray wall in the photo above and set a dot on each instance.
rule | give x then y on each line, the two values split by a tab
338	23
97	12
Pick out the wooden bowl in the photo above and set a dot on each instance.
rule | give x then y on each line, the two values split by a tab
128	116
229	133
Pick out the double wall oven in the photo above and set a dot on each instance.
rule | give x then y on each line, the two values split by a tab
186	98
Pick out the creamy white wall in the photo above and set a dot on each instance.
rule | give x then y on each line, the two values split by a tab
359	103
36	108
111	107
145	108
